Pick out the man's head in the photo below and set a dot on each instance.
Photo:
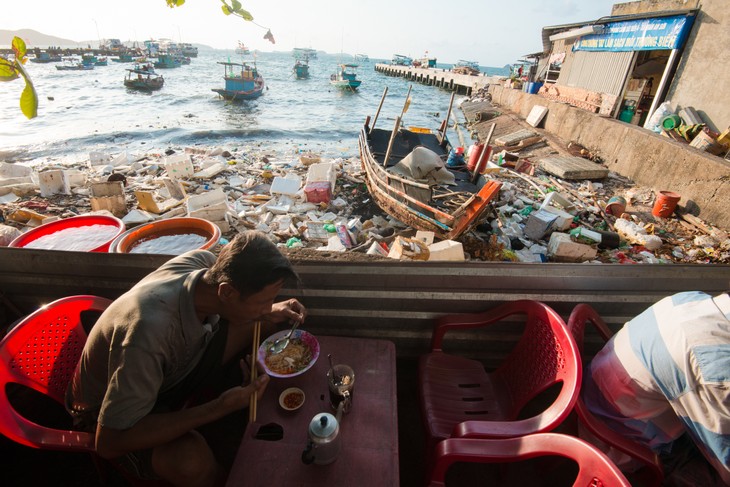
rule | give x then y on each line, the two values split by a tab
250	268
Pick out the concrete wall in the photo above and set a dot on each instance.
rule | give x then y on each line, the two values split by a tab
701	80
646	6
647	158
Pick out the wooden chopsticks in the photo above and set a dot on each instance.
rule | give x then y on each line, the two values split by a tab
254	371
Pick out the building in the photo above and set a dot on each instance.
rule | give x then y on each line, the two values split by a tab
646	52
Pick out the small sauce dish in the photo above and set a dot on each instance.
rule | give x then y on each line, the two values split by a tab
291	399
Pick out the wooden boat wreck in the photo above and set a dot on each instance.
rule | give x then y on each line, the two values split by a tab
406	175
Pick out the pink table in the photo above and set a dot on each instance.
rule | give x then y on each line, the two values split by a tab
369	432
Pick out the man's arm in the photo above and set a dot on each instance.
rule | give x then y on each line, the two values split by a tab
157	429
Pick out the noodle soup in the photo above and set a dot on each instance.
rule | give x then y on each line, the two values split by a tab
298	357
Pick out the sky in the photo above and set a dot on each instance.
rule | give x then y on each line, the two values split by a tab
491	32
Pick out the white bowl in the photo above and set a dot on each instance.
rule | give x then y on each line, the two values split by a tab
286	392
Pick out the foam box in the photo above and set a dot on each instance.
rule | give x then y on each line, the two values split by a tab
318	192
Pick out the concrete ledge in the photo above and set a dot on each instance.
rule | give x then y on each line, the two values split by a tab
647	158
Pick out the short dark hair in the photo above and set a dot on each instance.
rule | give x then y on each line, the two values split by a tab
250	262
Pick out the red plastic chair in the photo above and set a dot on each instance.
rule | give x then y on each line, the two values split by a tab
651	473
460	399
41	352
595	468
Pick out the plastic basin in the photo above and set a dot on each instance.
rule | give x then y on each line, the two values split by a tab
173	236
86	233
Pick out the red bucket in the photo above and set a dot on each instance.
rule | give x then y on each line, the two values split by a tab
86	233
665	203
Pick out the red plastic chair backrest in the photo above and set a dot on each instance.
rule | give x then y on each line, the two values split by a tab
579	317
41	352
545	355
595	468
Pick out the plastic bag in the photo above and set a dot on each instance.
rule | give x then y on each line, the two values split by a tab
655	120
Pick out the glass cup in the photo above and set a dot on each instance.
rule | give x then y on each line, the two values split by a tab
341	384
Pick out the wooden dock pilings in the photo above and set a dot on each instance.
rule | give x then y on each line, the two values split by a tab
463	84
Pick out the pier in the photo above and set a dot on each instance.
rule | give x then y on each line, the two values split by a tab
463	84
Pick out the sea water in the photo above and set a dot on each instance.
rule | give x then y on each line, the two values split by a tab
84	111
81	239
169	244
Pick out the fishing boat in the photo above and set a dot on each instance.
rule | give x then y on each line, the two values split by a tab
243	82
168	61
401	60
73	64
143	78
302	52
301	68
125	57
407	177
45	57
345	77
188	50
425	62
242	50
466	67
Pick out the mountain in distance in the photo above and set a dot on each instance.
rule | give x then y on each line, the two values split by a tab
34	38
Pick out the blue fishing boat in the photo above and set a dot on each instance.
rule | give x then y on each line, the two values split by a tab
45	57
301	68
401	60
125	57
345	77
243	82
168	61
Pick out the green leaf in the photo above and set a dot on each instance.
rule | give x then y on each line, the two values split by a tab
19	48
244	14
29	97
7	71
29	101
235	5
226	10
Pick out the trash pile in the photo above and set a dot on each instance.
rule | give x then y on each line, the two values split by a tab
542	219
559	204
299	200
306	203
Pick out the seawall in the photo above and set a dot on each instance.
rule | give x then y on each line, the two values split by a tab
649	159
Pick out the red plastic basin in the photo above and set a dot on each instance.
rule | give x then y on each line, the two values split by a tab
172	236
73	230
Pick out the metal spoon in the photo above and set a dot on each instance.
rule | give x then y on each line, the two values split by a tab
335	379
281	343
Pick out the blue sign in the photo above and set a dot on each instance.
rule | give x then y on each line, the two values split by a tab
639	35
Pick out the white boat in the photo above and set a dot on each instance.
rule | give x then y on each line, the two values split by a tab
304	52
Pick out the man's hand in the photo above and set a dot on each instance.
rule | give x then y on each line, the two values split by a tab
290	310
238	398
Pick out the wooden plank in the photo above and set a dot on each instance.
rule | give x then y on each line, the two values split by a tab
570	167
514	137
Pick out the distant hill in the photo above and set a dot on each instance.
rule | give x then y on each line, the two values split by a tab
34	38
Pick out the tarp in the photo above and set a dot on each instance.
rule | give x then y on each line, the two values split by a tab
424	164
